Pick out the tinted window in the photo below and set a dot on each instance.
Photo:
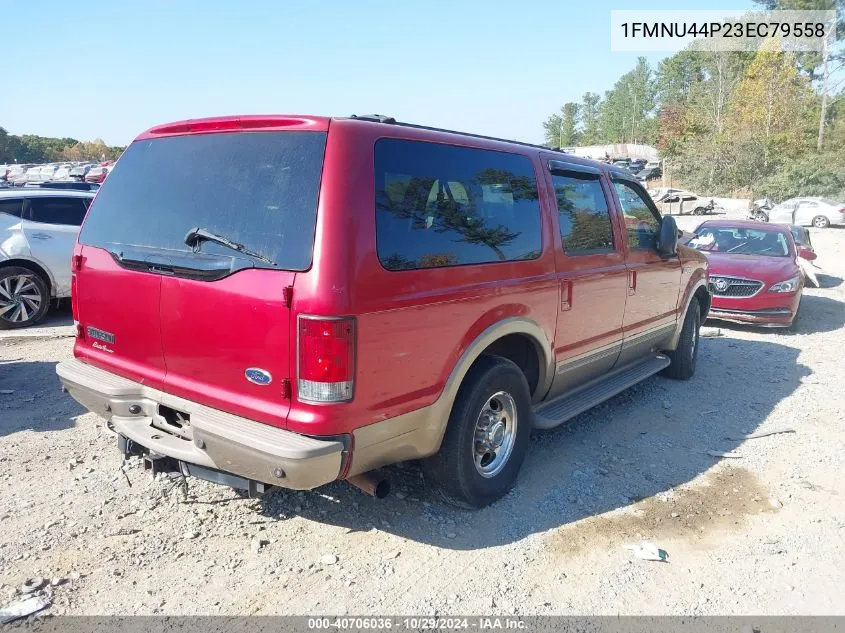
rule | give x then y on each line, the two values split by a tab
585	225
11	207
642	223
57	210
256	188
441	205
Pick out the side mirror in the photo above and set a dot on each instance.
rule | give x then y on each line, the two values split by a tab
806	253
667	239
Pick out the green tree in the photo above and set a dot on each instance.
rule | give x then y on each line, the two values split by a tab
627	114
561	129
590	118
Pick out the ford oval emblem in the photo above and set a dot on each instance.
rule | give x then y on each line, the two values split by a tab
258	376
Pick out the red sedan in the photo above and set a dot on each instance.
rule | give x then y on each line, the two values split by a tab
754	273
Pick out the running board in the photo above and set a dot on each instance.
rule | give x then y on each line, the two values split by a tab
567	406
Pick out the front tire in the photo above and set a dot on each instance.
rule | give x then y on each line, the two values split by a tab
821	222
24	297
486	438
685	356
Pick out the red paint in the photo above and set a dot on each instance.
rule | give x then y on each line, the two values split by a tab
195	339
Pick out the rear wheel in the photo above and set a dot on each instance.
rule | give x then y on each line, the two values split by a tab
24	297
761	216
486	438
821	222
684	356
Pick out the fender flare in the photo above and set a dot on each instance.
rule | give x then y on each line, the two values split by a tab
691	291
500	329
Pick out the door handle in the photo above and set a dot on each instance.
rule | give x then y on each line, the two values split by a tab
632	282
41	236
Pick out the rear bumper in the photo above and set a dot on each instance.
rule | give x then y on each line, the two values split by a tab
212	438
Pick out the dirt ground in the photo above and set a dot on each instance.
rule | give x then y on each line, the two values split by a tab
757	533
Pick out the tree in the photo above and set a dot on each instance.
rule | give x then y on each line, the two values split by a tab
561	129
627	114
770	103
590	122
811	61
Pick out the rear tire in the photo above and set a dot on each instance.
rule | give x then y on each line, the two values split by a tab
821	222
486	438
24	297
684	356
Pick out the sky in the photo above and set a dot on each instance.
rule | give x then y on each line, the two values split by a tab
113	69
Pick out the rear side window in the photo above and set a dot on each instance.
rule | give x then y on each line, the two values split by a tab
11	207
258	189
69	211
585	225
443	205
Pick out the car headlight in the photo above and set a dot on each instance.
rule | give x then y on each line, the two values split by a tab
790	285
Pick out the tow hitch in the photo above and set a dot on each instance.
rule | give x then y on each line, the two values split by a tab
156	463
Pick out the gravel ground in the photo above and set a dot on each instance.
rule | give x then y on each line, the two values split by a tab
758	533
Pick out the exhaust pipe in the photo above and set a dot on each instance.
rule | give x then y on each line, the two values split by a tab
371	483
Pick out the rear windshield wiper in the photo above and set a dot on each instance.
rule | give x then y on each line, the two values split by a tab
197	236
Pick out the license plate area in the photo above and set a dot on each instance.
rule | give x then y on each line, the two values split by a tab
173	422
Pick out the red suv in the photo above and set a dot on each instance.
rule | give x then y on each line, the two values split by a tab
293	300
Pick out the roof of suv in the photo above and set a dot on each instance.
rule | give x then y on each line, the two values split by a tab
282	121
39	192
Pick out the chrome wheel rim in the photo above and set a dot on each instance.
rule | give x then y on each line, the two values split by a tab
20	298
495	434
819	223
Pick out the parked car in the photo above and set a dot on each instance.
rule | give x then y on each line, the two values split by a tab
687	201
457	292
79	172
62	172
817	212
38	228
648	173
97	174
754	273
638	164
16	173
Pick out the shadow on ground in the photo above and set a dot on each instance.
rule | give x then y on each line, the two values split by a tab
643	442
35	401
828	281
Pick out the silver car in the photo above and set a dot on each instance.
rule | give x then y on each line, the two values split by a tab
817	212
38	229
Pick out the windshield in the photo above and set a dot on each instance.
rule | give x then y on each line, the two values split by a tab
258	189
741	241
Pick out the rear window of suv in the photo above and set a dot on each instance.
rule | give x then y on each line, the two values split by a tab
258	189
444	205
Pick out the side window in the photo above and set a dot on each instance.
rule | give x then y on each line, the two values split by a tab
11	207
443	205
585	225
642	224
57	210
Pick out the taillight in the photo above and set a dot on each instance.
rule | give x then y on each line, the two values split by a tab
326	359
76	264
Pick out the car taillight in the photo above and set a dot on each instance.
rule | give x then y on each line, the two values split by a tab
326	359
76	264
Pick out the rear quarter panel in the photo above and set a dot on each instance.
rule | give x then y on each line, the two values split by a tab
412	326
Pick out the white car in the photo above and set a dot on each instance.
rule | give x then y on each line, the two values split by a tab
817	212
38	230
